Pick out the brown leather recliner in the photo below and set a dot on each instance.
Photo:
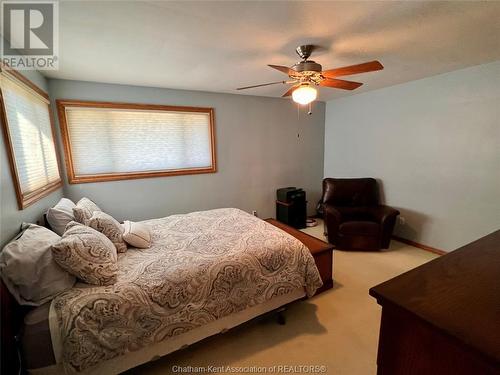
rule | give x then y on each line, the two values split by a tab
354	217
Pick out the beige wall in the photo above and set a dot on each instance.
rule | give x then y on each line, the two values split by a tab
435	145
258	151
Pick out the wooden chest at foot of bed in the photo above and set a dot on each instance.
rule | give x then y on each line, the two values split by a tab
320	250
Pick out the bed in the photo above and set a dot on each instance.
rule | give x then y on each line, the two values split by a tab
205	272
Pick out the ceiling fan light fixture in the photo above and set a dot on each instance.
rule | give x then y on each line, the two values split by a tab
305	94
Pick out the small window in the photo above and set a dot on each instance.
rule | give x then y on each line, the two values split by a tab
29	138
116	141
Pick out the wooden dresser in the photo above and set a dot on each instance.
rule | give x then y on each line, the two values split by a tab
444	316
321	251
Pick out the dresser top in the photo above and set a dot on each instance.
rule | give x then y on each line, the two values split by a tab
458	293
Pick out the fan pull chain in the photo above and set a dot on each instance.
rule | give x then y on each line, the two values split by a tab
298	120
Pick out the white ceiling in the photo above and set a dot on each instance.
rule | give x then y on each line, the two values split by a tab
218	46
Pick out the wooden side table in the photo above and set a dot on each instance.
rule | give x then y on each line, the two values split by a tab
321	251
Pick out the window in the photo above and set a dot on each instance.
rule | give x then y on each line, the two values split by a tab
29	138
116	141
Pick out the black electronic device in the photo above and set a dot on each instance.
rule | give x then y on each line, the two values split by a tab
290	194
291	206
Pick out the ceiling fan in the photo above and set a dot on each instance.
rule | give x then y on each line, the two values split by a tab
307	74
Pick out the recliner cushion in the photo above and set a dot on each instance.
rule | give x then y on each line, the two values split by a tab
354	214
359	228
350	192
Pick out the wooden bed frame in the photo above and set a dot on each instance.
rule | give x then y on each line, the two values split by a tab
11	320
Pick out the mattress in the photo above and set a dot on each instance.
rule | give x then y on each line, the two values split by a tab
40	345
205	271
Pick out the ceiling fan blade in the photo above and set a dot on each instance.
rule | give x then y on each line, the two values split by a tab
263	84
289	92
353	69
340	84
283	69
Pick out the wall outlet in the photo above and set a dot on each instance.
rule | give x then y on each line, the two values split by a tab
401	220
254	213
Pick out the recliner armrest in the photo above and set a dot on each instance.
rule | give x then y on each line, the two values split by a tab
386	216
332	218
382	213
333	213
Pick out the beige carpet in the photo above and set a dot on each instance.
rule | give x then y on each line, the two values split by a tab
337	329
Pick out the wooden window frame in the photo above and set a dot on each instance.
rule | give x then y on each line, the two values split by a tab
73	178
26	199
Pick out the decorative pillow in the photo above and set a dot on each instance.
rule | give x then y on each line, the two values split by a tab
107	225
28	269
87	254
136	234
60	215
84	210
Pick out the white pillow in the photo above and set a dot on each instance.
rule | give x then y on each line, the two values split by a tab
136	234
28	269
60	215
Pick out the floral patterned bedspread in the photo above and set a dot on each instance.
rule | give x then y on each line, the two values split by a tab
201	267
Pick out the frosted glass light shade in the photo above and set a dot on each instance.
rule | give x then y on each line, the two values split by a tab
304	94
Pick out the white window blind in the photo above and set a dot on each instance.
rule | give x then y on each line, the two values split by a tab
31	138
107	141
